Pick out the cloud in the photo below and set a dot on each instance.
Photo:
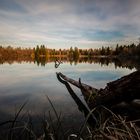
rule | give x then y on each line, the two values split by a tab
68	22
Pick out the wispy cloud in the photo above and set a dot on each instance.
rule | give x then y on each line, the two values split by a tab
62	23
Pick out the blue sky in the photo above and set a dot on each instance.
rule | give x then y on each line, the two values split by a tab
65	23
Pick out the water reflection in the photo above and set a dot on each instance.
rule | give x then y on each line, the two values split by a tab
23	81
42	61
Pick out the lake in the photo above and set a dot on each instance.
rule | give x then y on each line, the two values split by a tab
30	82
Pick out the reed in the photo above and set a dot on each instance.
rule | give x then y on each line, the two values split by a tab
114	127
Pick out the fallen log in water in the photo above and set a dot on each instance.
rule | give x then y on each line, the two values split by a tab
125	89
92	119
86	89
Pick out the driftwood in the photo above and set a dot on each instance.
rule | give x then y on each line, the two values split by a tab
124	89
81	106
86	89
57	63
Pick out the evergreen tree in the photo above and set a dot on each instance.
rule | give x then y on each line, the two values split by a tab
76	53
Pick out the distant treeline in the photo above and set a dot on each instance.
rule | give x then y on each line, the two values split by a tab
125	50
126	56
15	53
72	53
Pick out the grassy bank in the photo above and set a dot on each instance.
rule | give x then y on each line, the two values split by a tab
110	127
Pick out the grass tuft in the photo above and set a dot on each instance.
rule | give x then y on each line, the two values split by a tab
114	127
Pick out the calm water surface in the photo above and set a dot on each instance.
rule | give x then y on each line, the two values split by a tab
31	83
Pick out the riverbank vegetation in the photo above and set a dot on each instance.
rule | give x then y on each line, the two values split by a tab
122	56
132	50
114	127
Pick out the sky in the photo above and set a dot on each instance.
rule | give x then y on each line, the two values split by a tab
66	23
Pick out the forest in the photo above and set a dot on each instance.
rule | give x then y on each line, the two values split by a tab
73	53
42	54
